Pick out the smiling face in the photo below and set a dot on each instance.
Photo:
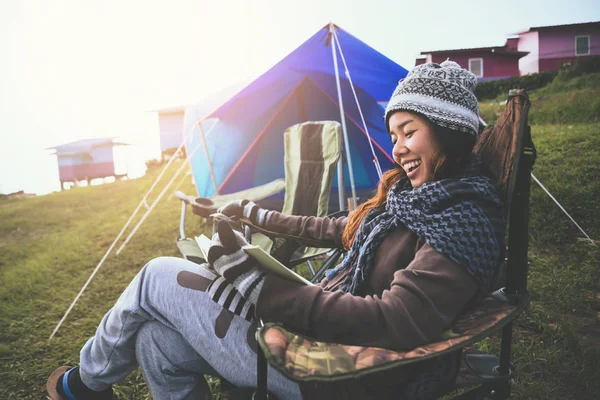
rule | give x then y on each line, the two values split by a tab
415	147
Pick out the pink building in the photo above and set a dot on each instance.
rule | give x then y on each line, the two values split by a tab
538	49
551	46
486	63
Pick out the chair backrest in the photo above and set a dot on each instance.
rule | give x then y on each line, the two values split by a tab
508	152
501	145
312	150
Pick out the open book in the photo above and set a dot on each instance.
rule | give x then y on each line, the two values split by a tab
266	261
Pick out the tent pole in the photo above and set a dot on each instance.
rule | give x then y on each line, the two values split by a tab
341	192
375	160
187	157
340	163
341	184
212	172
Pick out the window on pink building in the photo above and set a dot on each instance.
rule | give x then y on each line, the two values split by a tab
476	66
582	45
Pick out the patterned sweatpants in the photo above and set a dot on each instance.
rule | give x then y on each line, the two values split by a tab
179	321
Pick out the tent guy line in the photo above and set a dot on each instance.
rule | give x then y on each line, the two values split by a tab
142	202
158	198
562	208
552	197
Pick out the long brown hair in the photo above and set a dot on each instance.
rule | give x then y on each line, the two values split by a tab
455	153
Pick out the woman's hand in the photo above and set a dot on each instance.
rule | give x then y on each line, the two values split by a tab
225	253
231	262
246	209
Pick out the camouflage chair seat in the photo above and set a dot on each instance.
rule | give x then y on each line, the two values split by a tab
304	359
507	151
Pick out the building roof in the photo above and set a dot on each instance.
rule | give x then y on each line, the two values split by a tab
549	27
170	109
494	49
513	52
85	145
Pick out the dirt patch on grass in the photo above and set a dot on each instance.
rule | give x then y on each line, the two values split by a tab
525	335
590	335
589	326
592	295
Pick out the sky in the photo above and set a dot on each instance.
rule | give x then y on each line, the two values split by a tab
77	69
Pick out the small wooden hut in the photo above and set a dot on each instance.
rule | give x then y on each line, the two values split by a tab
86	159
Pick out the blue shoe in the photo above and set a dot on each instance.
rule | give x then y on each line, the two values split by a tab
52	383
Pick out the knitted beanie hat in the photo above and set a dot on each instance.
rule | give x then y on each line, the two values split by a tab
444	93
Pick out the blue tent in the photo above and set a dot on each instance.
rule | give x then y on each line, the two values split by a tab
245	142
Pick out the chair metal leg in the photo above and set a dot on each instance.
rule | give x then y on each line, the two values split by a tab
182	220
326	265
261	374
504	367
478	393
310	267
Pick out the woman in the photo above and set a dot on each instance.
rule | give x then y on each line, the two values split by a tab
426	244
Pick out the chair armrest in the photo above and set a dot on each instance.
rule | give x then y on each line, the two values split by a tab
305	359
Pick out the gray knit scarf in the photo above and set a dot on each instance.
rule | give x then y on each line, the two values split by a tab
460	217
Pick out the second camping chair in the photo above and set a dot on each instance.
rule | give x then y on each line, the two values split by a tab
311	153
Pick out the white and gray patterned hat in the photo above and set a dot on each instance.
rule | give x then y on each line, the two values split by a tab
444	93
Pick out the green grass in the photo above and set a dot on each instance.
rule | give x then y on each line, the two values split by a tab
564	101
557	340
50	244
560	356
565	82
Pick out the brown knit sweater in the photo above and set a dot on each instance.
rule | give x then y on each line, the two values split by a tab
412	295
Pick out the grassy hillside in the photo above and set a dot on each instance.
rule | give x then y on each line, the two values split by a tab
49	245
564	101
558	338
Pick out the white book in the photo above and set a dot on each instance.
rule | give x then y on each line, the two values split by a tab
267	262
204	244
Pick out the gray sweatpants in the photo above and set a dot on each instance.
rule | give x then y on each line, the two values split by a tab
179	321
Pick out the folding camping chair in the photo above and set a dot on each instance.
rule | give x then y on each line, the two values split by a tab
311	153
508	152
